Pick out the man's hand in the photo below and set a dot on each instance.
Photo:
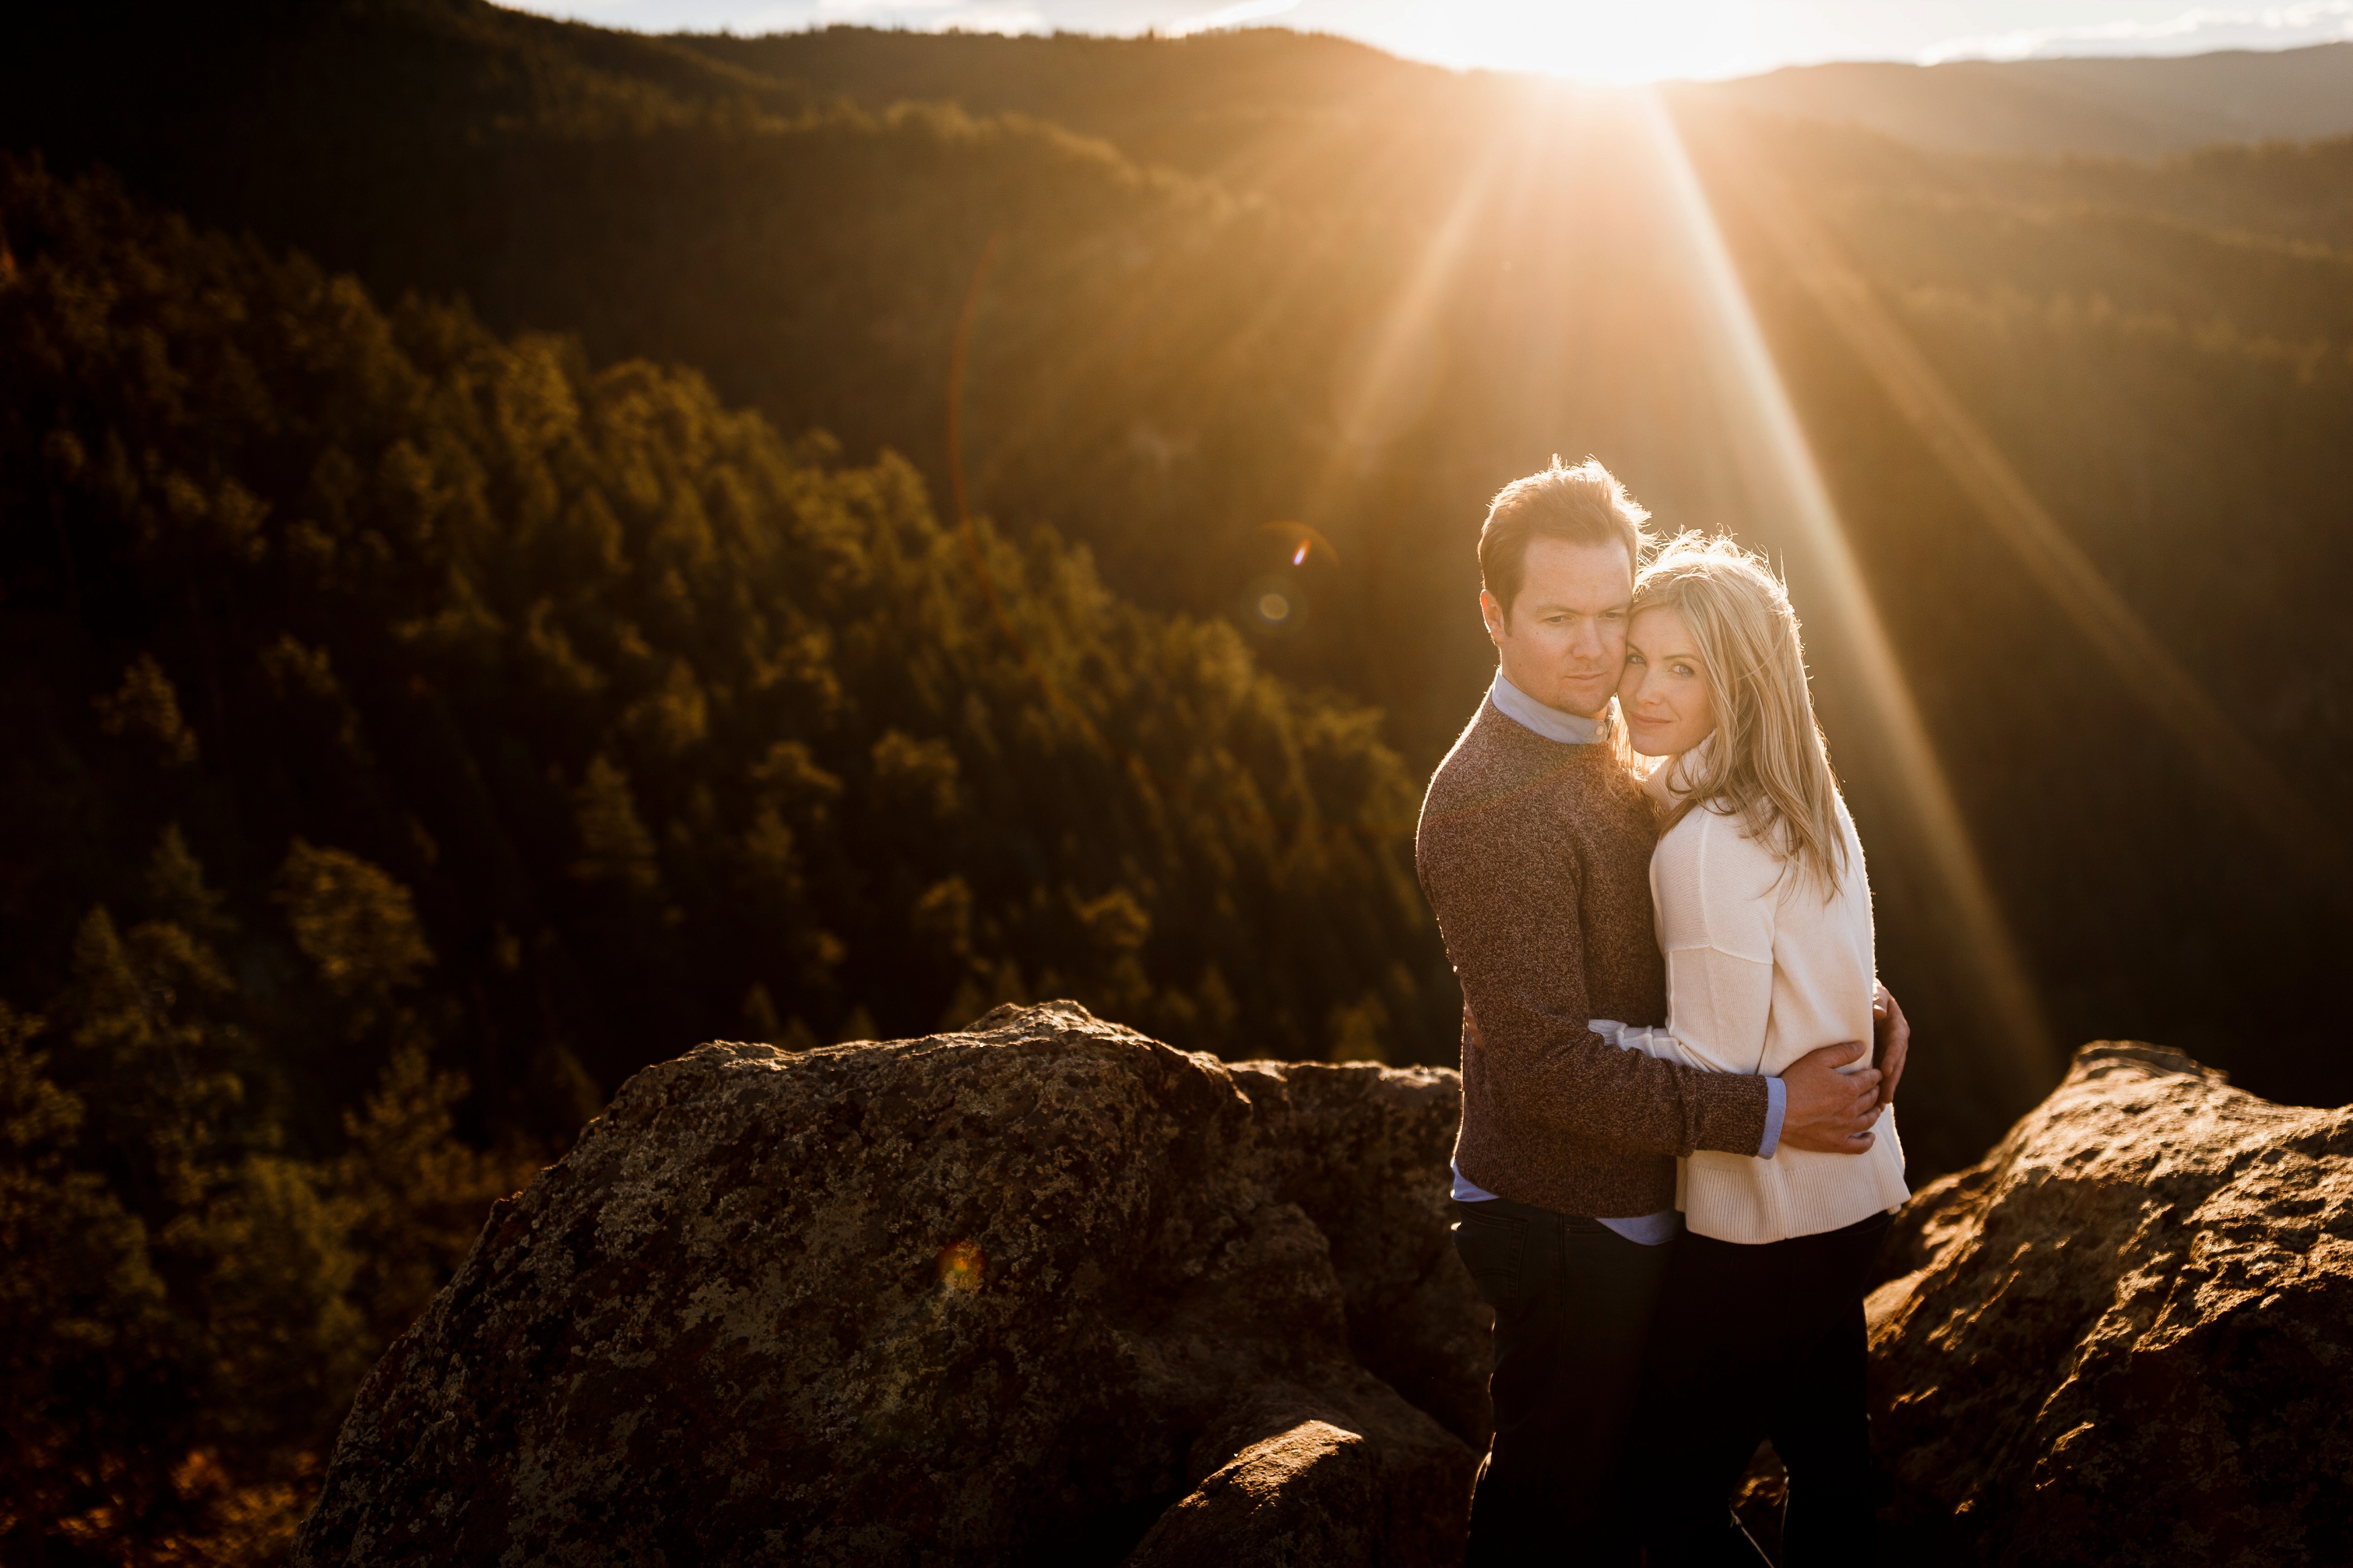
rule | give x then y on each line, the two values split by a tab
1891	1037
1828	1110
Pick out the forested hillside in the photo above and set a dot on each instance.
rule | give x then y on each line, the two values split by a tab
1281	281
384	692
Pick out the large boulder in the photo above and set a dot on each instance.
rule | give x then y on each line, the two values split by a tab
2126	1336
1007	1295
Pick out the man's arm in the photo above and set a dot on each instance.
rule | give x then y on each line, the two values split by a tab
1719	944
1512	930
1820	1108
1830	1112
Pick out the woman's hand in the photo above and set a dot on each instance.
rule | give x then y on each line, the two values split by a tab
1891	1038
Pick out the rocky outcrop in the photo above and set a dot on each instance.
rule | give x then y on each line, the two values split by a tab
2126	1336
1051	1291
1008	1295
1311	1493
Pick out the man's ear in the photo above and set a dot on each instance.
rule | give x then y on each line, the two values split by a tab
1498	620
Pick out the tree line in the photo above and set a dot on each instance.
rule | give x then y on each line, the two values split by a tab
417	730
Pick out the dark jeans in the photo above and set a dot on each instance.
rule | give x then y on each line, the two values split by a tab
1572	1305
1755	1342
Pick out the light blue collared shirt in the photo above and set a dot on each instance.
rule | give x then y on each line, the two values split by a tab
1568	729
1573	729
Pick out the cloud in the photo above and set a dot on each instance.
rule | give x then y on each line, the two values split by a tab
1008	20
1228	17
932	16
2189	32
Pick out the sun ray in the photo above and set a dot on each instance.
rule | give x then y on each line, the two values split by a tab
2017	517
1792	488
1339	149
1413	309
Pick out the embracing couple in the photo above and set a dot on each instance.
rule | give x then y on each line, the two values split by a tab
1678	1152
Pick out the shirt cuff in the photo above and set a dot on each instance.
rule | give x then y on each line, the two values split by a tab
1777	1106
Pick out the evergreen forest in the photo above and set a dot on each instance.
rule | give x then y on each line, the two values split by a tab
524	548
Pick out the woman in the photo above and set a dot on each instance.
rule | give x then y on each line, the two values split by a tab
1764	913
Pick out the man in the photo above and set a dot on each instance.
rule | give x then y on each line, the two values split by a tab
1533	849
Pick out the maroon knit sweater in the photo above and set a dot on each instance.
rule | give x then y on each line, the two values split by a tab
1536	856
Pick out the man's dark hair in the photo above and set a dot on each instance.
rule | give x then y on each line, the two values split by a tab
1584	505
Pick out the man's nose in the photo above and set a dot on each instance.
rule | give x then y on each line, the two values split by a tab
1584	641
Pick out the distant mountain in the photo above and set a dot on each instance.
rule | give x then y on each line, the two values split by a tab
1208	104
1256	108
2084	108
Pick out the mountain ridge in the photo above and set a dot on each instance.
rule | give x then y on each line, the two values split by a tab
2140	107
2127	108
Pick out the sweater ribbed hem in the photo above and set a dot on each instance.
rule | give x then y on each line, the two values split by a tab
1605	1189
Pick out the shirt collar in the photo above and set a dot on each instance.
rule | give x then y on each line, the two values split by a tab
1550	722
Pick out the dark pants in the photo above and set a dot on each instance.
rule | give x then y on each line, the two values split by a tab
1755	1342
1573	1306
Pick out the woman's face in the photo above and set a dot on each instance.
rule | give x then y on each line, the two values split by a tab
1663	688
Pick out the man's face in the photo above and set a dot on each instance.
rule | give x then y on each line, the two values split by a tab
1566	639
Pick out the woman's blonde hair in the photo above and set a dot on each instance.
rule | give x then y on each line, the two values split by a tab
1769	765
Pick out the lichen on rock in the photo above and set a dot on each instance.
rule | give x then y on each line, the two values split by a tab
1004	1295
2123	1338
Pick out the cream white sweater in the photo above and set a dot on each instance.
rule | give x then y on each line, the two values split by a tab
1760	970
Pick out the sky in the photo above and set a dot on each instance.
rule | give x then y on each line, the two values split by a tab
1600	40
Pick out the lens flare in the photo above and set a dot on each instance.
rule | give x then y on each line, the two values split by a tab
961	1266
1273	607
1301	542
